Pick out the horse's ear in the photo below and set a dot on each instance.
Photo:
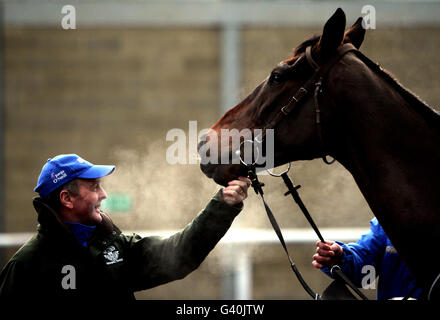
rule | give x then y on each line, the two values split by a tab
332	35
355	35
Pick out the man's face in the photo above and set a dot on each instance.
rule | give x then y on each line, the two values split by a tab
86	203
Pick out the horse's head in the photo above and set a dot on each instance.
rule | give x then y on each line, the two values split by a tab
295	135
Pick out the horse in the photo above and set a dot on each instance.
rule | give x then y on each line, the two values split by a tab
360	115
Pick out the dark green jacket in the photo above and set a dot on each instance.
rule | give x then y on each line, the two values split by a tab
54	264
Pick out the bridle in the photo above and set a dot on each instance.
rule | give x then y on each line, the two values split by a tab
314	84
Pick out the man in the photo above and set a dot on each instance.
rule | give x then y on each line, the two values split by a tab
372	249
78	252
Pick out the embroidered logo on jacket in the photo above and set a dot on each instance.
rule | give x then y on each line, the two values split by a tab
390	249
112	255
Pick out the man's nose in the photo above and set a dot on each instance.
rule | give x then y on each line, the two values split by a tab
102	193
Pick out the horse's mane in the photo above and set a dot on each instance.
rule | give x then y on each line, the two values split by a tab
421	107
428	113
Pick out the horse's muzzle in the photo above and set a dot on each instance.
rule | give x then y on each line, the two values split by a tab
220	173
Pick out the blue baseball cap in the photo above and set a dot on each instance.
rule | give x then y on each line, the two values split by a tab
64	168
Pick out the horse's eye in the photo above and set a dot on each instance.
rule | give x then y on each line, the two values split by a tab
276	78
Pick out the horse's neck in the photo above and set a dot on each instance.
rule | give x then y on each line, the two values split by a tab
394	157
395	161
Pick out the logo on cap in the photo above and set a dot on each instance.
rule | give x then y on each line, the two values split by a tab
58	176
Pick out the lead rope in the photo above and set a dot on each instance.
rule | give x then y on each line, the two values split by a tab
257	185
335	271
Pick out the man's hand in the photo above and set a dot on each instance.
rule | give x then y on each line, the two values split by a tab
327	253
236	191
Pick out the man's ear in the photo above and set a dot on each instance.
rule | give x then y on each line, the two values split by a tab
355	35
66	199
332	35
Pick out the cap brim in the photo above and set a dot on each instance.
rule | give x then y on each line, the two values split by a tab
96	172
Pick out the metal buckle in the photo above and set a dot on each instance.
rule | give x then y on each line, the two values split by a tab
303	89
284	109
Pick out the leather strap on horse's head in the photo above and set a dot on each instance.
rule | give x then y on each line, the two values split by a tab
323	69
314	84
320	73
